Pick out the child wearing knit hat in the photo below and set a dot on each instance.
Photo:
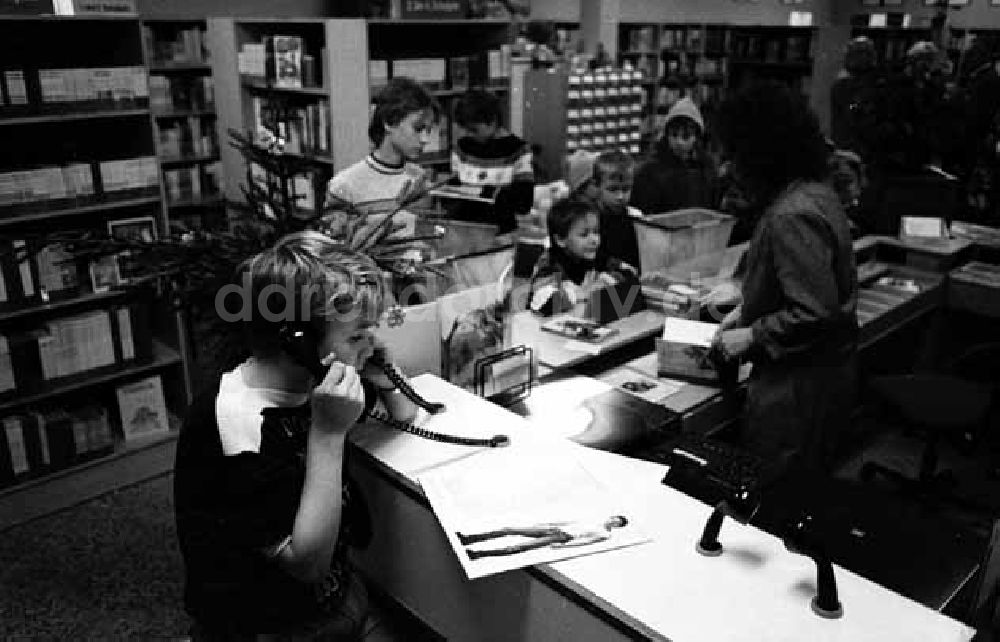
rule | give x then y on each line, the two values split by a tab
680	173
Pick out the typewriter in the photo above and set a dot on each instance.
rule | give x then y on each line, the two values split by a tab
707	470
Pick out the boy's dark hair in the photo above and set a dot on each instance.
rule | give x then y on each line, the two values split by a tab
476	107
563	214
402	96
772	137
613	165
306	278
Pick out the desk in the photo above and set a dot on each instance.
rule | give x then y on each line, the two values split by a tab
975	288
550	348
662	590
937	255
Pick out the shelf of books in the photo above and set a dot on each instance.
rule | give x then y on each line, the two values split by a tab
182	102
449	58
704	61
91	369
311	80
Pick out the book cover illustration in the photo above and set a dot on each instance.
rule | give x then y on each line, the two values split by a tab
524	505
638	384
142	408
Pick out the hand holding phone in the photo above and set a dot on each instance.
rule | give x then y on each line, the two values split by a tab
338	400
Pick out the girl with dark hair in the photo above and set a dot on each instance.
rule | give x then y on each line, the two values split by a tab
570	270
797	321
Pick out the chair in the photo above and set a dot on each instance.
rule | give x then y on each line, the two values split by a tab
956	404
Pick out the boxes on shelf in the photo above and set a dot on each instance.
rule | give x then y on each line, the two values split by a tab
179	45
426	71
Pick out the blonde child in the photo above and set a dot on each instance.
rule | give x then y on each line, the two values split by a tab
263	516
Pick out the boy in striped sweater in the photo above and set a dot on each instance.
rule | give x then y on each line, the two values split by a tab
491	158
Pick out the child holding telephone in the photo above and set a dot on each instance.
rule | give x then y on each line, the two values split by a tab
263	515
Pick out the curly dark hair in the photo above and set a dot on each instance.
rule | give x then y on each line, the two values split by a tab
772	138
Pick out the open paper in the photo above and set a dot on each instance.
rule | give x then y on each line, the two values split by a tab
524	505
697	333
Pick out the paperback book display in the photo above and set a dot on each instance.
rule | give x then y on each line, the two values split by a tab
142	408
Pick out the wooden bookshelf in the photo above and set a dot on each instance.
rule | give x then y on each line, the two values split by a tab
67	116
106	136
13	215
126	465
705	62
21	312
262	86
178	59
163	357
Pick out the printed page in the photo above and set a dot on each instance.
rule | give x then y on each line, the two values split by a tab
527	504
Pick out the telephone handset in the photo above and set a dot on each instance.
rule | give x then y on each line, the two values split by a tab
297	340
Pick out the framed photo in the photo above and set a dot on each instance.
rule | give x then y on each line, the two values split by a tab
141	228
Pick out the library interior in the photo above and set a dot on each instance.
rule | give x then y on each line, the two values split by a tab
474	320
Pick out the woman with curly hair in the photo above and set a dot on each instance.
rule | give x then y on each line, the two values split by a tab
797	321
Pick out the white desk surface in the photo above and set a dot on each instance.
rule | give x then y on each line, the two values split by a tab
551	349
756	591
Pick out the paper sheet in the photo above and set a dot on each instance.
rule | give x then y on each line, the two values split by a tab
696	333
526	495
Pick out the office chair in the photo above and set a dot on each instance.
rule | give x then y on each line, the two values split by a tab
956	404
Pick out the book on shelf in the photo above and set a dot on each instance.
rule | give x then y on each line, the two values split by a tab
285	54
458	72
378	73
184	46
7	381
251	60
15	87
57	273
142	408
426	71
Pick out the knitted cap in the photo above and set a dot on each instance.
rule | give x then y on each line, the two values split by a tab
580	168
922	49
686	108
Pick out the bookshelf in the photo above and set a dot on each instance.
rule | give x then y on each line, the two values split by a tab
349	59
448	57
182	104
80	120
705	61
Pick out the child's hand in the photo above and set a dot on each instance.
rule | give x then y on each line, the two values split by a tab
607	279
542	296
338	400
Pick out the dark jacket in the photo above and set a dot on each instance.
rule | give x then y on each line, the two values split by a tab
555	266
666	183
800	288
618	239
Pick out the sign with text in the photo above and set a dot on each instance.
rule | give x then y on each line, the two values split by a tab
433	8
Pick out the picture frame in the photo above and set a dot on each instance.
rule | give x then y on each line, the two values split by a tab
139	228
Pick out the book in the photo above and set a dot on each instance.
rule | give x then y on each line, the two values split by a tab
142	408
16	448
287	55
